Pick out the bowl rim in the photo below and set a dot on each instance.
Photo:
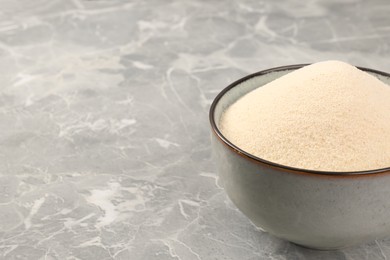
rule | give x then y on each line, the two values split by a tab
247	155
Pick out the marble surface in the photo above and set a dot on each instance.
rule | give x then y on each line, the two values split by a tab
104	135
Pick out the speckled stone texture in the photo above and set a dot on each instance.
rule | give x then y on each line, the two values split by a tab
104	136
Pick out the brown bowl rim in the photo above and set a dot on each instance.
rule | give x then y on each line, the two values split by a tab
247	155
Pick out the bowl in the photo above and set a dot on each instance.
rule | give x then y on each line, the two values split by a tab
315	209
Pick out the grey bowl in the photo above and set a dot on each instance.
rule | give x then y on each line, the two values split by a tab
322	210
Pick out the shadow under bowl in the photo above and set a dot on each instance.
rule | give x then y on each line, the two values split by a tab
315	209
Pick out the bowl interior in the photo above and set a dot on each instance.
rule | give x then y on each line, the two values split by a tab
241	87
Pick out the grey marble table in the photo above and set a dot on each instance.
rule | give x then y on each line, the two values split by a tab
104	136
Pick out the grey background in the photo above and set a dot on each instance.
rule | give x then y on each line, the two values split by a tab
104	135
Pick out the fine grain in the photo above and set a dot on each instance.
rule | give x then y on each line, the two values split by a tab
327	116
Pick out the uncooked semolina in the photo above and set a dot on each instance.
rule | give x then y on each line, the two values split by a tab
328	116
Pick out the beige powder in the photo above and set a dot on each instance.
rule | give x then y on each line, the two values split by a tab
328	116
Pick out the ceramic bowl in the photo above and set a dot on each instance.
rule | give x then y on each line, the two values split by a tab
321	210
